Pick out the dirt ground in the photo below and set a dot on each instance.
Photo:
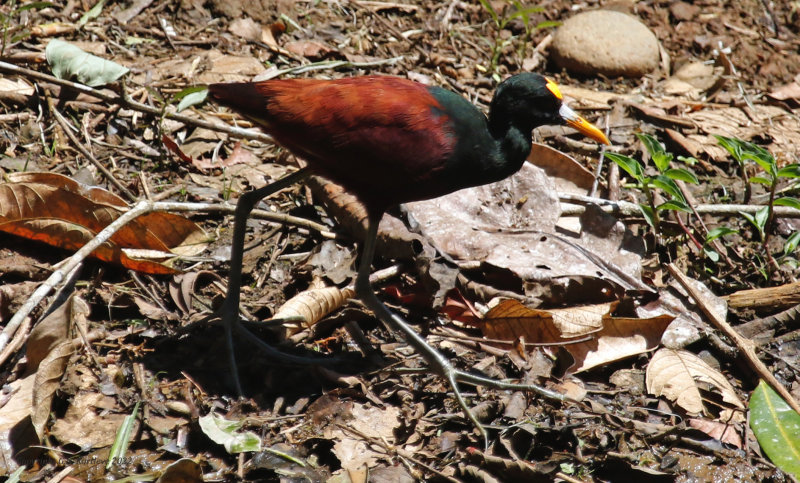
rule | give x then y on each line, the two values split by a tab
122	337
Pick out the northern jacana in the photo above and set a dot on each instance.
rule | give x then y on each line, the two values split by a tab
388	141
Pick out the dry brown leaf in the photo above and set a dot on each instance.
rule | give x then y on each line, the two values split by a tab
309	307
53	330
611	338
569	175
353	450
15	86
83	426
183	286
246	28
182	471
510	320
727	433
692	79
676	374
786	92
48	379
310	49
620	338
15	422
61	212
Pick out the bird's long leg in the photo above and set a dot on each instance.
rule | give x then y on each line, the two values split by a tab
434	358
230	307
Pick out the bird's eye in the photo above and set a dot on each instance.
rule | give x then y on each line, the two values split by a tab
553	87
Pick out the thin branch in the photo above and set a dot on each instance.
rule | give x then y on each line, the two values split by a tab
628	209
67	128
138	106
137	210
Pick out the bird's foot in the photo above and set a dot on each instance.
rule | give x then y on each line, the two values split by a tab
445	369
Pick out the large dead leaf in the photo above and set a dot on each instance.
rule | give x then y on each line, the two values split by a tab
61	212
611	338
680	376
511	226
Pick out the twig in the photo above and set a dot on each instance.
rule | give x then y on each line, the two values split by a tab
67	128
628	209
56	277
331	64
139	209
138	106
745	345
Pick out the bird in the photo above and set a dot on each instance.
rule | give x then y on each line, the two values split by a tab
390	140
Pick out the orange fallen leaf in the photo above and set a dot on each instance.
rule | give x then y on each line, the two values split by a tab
61	212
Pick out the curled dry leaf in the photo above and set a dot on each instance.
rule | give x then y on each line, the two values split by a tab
309	307
61	212
678	375
589	333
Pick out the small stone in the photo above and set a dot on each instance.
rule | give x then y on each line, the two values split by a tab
683	11
605	42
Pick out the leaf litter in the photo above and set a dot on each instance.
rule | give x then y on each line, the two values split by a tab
505	242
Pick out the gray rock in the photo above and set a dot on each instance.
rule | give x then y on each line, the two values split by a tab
605	42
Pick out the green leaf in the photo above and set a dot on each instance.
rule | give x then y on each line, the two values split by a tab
31	6
191	96
787	201
649	215
790	171
719	231
524	14
733	146
711	254
92	14
761	156
682	175
548	24
760	180
225	432
630	165
674	205
488	7
762	215
791	243
660	157
123	437
777	428
67	61
756	221
690	160
669	187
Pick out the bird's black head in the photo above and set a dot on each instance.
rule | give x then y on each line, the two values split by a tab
527	101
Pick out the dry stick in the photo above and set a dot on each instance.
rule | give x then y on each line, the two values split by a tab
747	346
628	209
67	128
139	209
124	101
56	277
